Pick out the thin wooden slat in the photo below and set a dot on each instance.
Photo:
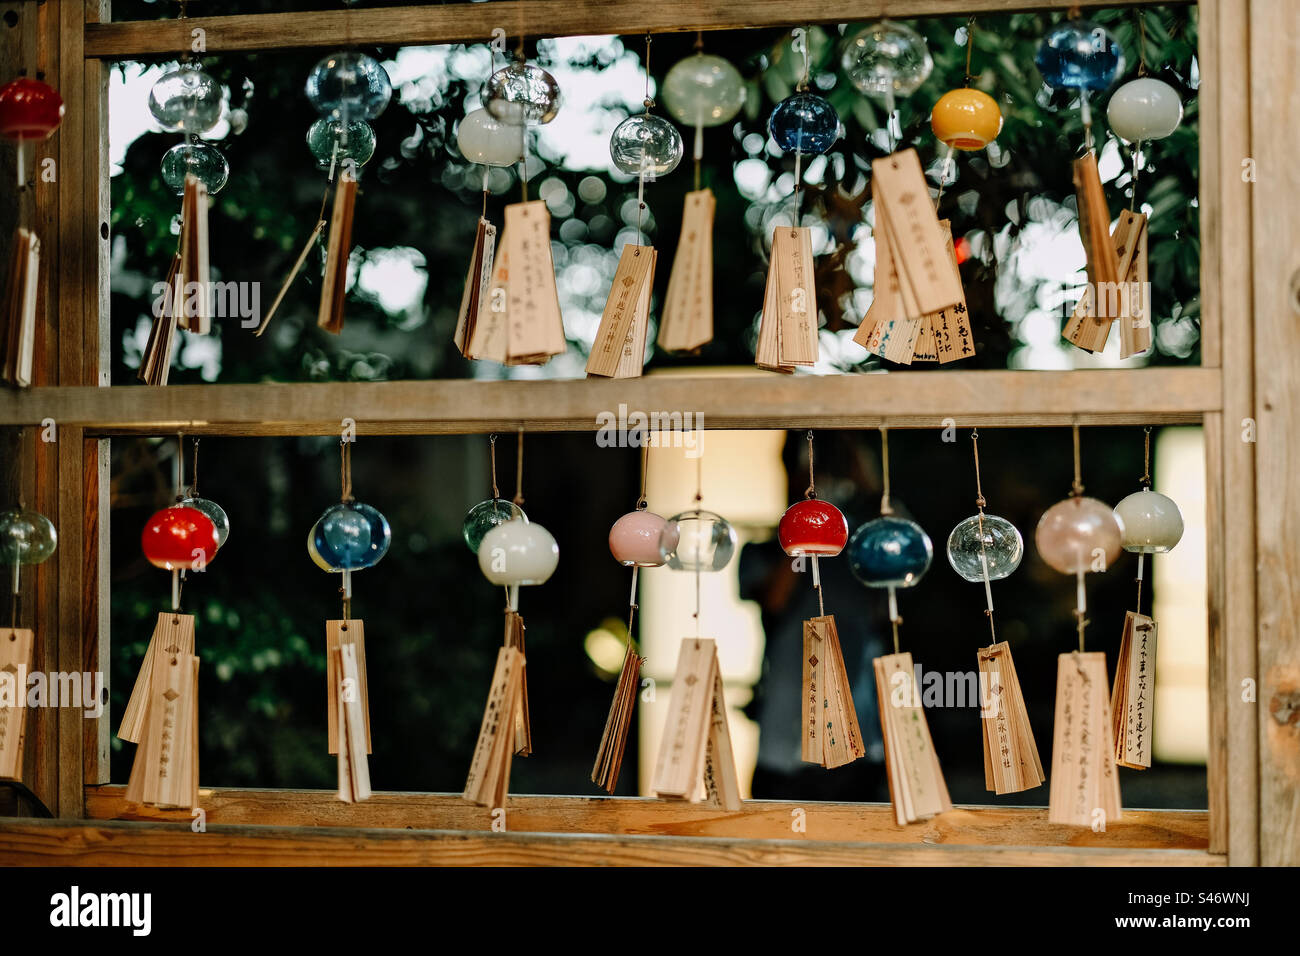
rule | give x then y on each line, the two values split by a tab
61	843
474	22
921	399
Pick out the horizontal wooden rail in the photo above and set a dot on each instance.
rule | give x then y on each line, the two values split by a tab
86	843
757	819
474	22
749	400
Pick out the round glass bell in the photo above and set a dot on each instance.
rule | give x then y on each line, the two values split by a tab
200	160
804	123
634	539
812	527
486	140
697	541
350	536
887	57
186	100
645	144
966	119
327	143
985	540
485	516
173	535
26	537
29	109
216	514
1079	55
520	93
518	552
349	86
1079	534
1152	522
890	552
1144	109
703	90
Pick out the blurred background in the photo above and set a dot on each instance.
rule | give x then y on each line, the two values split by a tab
433	623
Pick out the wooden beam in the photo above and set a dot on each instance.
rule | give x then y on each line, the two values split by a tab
474	22
750	400
757	819
82	843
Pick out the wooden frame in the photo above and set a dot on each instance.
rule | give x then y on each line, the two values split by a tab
1251	340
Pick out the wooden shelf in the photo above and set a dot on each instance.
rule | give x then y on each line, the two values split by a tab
743	400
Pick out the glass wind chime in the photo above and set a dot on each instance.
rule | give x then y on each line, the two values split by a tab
831	736
188	101
513	552
1152	524
892	552
917	298
634	542
30	112
510	309
695	760
26	537
700	91
982	549
161	715
1078	536
647	147
348	536
804	124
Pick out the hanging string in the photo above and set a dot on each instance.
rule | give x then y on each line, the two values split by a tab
811	491
699	124
642	502
492	456
645	159
345	470
519	471
1142	42
802	41
984	560
885	507
699	498
1146	459
1076	488
970	46
194	471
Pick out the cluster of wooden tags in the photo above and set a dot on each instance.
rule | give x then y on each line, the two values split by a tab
1084	790
162	717
918	313
687	320
185	303
510	309
505	730
613	742
1133	695
18	321
787	329
348	706
619	348
916	786
831	735
16	653
1117	271
334	282
695	760
1011	762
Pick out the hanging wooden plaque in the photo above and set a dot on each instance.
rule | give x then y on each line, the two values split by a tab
619	348
477	284
1084	788
613	742
173	633
16	656
338	633
695	760
687	320
18	322
334	284
1132	700
194	279
536	329
1011	761
489	772
917	789
353	725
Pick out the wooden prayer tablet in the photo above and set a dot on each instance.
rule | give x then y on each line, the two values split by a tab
831	735
1127	300
687	320
1011	761
514	637
489	772
165	773
354	768
334	285
1084	789
338	633
173	632
613	742
788	327
194	280
1132	699
619	348
18	321
477	283
695	760
535	328
16	656
917	789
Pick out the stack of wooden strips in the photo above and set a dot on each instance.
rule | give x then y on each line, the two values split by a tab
918	312
695	759
1084	790
787	329
1132	698
613	742
16	656
514	637
162	717
831	735
186	299
1011	761
687	321
916	786
18	321
1128	299
489	770
619	348
334	283
348	706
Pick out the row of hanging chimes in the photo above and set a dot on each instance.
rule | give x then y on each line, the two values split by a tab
918	310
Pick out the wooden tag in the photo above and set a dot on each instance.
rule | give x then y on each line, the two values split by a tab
536	329
1135	320
1094	223
334	284
1133	696
486	339
797	311
514	637
354	732
16	656
613	742
155	363
18	322
614	353
695	760
767	349
477	284
168	752
841	735
952	333
338	633
1084	788
925	349
916	786
687	320
1101	304
721	784
899	187
489	771
1011	762
172	633
814	692
194	280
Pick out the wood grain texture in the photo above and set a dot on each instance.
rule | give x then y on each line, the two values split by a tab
1275	86
474	22
759	819
751	400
